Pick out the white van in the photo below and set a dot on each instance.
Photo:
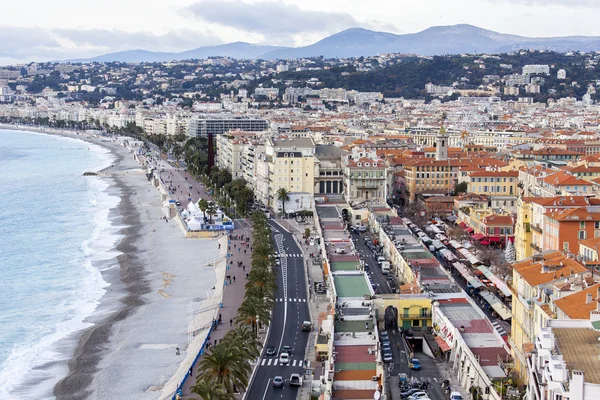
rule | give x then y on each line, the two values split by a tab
380	259
456	396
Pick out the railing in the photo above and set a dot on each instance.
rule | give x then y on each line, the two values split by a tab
536	228
367	185
200	353
535	247
416	316
528	304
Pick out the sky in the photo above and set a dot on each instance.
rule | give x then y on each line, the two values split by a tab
41	30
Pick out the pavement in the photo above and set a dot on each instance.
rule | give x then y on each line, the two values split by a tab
290	311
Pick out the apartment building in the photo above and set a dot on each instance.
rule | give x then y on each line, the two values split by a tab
501	186
286	163
533	283
329	170
565	363
201	127
564	228
230	152
365	176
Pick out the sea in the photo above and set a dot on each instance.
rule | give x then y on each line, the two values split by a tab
55	232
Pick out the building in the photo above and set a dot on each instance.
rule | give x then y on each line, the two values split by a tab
501	186
230	152
288	163
365	177
201	127
561	74
329	171
565	363
536	69
533	279
564	228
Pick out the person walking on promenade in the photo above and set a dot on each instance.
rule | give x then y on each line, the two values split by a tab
234	279
177	352
231	322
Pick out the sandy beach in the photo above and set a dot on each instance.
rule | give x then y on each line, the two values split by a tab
164	288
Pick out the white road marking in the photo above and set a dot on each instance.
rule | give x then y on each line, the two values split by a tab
267	388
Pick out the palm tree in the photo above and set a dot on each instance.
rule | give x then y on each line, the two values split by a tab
211	209
283	195
246	342
203	205
252	310
226	367
208	390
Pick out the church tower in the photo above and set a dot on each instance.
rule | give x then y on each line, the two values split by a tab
441	145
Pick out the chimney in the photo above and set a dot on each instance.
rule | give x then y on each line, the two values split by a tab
588	298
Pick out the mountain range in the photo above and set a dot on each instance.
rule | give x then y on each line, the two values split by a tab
356	42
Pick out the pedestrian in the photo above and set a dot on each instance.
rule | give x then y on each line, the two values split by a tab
231	322
243	268
244	251
239	249
246	276
220	317
234	245
215	342
191	370
219	245
234	279
177	352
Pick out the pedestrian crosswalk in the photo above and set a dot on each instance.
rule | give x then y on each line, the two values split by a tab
273	362
499	328
292	255
281	300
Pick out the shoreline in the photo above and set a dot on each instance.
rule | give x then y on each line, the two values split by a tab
129	289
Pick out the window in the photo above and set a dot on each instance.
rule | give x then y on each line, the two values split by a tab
357	217
291	162
581	235
597	225
581	224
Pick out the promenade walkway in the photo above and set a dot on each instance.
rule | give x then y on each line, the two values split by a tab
233	293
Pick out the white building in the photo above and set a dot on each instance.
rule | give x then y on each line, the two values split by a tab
565	363
561	74
536	69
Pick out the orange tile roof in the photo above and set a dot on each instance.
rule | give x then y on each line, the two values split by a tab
355	375
573	215
575	306
513	174
559	266
591	243
343	394
500	220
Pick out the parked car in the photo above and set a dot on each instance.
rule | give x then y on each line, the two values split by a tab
387	356
278	382
386	346
307	326
384	334
418	396
456	396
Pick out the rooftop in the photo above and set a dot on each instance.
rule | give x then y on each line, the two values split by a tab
580	349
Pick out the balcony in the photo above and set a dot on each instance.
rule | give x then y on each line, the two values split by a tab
416	316
536	228
367	185
528	304
535	247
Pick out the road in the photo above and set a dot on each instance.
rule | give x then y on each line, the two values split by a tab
370	258
291	309
429	371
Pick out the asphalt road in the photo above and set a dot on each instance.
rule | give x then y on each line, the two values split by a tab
370	258
291	309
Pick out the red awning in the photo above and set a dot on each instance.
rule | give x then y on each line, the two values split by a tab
495	239
442	343
477	236
462	225
469	229
485	242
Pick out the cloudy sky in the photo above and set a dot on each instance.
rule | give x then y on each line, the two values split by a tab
37	30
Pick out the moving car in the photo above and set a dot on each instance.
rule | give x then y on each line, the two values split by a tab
284	359
271	351
456	396
307	326
278	382
287	349
414	364
295	380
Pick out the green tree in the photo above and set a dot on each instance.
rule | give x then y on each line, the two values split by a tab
226	367
208	390
203	206
283	195
461	187
211	210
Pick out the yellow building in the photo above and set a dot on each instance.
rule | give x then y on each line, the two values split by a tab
530	303
287	163
411	311
501	186
523	234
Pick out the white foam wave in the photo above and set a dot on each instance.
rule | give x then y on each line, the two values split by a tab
21	377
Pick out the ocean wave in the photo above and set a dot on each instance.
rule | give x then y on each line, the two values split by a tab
33	368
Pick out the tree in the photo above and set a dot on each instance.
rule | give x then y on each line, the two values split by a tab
208	390
203	205
226	367
251	311
509	252
461	188
283	195
211	209
306	233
